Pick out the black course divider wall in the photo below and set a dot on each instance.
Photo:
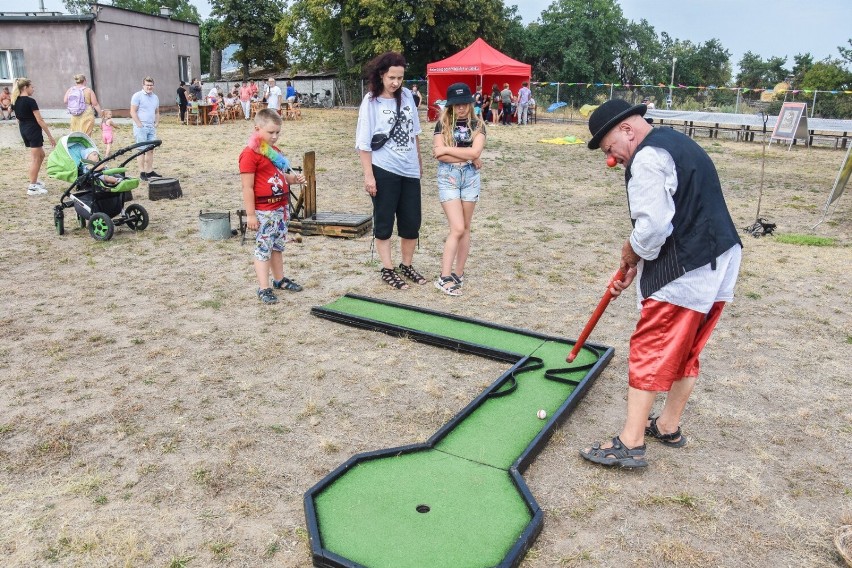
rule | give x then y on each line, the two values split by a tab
458	500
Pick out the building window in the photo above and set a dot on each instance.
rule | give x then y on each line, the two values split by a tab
183	68
11	64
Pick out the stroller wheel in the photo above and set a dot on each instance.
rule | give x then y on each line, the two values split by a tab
137	217
59	220
101	227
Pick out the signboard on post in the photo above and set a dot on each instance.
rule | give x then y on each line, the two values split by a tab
839	184
792	123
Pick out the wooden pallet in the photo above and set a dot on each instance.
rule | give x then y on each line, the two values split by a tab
349	225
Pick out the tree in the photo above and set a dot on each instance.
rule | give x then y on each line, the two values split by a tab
577	40
802	64
251	25
180	9
343	34
638	55
755	73
828	75
846	52
212	41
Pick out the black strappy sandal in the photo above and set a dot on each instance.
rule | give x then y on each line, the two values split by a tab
390	277
411	274
673	440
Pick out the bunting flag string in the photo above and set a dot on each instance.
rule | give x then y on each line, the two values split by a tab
681	86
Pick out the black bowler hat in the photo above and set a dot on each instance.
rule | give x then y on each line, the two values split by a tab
459	94
607	116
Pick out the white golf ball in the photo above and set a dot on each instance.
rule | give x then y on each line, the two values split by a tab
542	414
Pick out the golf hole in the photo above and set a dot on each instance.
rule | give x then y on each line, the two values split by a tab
422	508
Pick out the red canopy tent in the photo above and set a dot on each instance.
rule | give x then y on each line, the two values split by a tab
477	64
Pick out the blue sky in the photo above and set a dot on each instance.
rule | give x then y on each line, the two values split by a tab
769	28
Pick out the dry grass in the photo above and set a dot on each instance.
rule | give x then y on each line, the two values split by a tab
153	413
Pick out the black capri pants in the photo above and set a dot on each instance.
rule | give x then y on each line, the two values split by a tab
396	196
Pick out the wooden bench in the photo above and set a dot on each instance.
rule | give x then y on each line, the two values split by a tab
840	140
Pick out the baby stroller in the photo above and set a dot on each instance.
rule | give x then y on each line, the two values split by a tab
97	195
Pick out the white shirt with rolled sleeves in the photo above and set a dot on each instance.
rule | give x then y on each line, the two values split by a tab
650	194
399	154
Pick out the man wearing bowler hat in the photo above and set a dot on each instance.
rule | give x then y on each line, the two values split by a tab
685	252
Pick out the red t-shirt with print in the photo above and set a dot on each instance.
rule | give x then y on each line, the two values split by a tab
271	190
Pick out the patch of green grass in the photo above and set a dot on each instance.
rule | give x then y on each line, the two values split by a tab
179	561
215	304
752	295
805	240
221	549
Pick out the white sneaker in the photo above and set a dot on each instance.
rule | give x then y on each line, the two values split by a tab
35	189
40	183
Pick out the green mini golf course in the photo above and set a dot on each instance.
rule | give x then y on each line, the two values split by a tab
458	500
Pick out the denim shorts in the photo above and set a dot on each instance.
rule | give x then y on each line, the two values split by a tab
271	233
144	134
458	181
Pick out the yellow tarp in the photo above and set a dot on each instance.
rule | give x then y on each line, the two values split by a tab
586	110
565	140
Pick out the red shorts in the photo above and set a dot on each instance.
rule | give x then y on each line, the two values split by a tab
666	344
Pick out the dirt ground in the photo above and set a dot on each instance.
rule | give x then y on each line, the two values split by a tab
154	413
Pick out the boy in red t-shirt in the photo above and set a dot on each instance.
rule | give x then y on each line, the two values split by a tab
266	177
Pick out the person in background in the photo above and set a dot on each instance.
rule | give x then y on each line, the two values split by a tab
685	252
477	102
5	104
84	122
506	97
181	100
31	125
195	89
486	108
290	93
145	112
106	129
524	96
245	99
254	89
415	92
272	94
647	102
458	142
386	140
495	104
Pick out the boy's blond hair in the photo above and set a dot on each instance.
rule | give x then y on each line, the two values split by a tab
267	115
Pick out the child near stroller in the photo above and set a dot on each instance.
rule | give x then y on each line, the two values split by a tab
97	194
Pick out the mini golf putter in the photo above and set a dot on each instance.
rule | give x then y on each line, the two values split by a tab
457	499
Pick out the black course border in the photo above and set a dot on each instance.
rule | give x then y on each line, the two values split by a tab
520	363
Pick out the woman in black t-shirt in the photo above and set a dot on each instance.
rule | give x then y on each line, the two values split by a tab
458	143
31	125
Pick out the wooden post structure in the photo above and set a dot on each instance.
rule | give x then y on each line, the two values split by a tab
310	189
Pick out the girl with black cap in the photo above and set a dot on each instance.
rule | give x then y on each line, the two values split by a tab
458	143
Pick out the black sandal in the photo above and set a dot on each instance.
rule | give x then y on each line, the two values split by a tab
673	440
390	277
618	454
411	274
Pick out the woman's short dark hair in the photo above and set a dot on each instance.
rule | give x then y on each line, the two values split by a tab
379	66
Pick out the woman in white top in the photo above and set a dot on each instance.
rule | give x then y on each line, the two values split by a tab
386	140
